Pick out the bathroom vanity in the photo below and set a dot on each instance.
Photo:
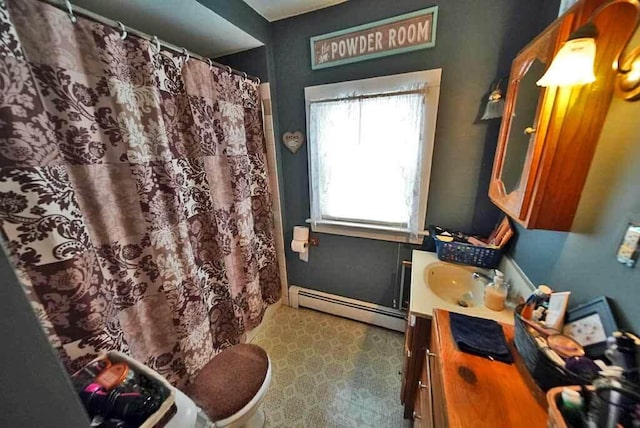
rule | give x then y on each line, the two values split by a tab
456	389
442	386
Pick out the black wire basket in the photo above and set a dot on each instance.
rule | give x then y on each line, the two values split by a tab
544	371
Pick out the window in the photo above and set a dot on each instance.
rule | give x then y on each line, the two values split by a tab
370	150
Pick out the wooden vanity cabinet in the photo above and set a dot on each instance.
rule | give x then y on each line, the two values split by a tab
548	136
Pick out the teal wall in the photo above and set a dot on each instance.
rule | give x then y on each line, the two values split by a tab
476	42
242	16
254	62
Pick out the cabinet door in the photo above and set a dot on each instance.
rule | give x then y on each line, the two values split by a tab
528	109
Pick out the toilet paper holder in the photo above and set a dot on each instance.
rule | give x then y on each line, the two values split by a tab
302	240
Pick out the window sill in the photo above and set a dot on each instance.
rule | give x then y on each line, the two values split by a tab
367	231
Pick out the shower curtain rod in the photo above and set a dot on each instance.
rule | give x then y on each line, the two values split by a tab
75	10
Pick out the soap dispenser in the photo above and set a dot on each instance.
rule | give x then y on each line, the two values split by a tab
496	292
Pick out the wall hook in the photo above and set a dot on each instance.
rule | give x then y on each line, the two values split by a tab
72	17
123	34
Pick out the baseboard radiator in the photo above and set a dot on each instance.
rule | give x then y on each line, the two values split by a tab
358	310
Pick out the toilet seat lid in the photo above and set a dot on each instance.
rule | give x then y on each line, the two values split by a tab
229	381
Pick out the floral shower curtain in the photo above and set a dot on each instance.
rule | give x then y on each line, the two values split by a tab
134	195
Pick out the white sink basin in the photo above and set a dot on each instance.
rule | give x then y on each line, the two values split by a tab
438	284
454	284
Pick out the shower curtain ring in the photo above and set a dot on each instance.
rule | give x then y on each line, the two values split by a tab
244	74
70	9
157	43
258	80
210	64
229	70
123	35
185	52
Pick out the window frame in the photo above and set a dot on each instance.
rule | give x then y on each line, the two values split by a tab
431	81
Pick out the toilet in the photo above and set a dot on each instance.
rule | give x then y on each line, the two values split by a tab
228	391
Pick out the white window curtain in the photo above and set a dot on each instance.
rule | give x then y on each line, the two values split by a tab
365	159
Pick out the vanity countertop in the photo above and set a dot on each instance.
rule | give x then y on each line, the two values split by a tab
483	393
423	301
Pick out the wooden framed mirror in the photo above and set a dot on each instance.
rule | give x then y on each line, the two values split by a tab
528	110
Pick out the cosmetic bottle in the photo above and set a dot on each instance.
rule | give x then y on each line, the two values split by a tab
496	293
537	298
572	405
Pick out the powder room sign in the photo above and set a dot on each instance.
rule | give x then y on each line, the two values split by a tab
403	33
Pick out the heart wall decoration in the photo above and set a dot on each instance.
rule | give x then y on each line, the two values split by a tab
293	140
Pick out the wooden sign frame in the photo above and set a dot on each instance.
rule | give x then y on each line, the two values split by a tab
375	40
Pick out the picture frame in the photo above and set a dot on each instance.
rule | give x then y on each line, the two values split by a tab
590	324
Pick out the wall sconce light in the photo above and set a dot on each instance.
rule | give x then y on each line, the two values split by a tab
495	103
575	61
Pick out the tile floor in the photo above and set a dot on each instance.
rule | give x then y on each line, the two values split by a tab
331	372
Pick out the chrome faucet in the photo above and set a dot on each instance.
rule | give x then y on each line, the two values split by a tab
492	278
478	275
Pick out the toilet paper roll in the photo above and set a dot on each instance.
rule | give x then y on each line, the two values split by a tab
299	246
300	233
